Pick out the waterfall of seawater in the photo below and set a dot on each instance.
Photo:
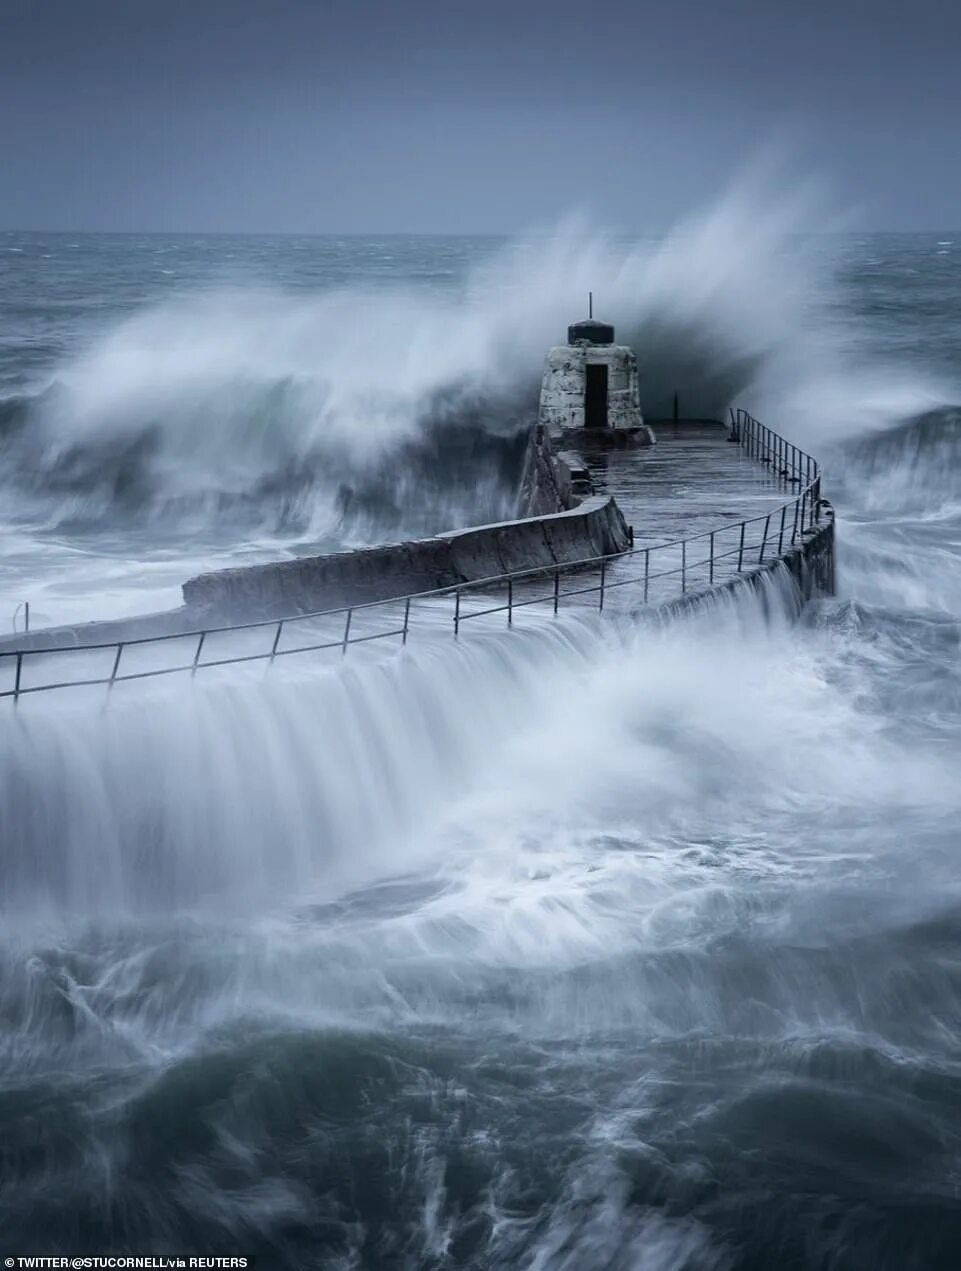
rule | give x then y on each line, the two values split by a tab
249	790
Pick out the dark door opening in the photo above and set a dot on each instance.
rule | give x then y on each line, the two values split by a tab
595	395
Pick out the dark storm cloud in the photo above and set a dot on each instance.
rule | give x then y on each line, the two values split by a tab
372	116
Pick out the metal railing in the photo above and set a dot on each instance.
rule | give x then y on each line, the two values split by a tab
658	573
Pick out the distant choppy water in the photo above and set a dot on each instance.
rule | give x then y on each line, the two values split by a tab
579	948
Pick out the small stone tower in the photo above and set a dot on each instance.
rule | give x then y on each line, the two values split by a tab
591	383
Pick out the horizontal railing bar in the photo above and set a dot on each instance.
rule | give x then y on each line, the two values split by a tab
377	635
42	688
147	675
173	670
241	657
596	587
515	604
338	644
482	613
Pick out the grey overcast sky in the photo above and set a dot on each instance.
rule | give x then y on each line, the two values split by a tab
449	116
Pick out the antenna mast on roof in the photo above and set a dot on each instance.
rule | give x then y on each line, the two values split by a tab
590	304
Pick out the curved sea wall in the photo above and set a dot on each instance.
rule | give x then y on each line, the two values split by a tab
555	526
594	528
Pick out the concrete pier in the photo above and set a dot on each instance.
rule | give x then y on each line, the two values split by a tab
705	517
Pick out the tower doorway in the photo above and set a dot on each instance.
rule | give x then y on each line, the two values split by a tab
595	395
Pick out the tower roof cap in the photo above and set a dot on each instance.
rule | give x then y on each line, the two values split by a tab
592	331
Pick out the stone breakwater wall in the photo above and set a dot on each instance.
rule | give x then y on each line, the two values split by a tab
556	525
554	479
594	528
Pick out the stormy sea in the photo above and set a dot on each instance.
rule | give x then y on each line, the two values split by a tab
582	946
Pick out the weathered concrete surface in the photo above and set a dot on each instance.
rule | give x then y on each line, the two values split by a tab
564	381
595	528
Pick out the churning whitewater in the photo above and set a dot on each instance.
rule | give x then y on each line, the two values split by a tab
594	944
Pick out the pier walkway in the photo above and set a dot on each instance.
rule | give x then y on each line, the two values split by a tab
686	499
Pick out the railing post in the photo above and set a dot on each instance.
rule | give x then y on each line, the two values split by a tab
647	571
767	525
711	578
817	498
797	503
600	599
740	550
780	537
804	497
510	602
406	621
276	643
196	661
16	676
557	588
683	566
116	666
346	640
457	611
